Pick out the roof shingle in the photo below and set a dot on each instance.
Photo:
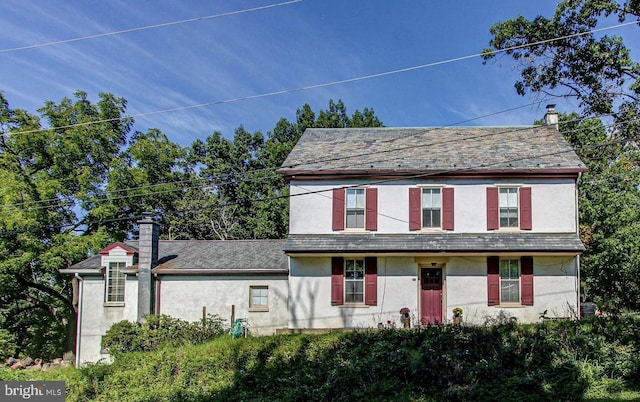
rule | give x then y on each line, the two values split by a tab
446	149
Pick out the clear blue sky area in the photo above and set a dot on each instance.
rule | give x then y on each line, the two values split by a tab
222	61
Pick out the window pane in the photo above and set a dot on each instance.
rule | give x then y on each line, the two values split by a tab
510	281
115	282
354	281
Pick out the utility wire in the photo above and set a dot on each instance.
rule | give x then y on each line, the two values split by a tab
239	178
144	28
421	175
332	83
224	176
417	176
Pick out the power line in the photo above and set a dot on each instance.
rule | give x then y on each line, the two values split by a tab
223	176
420	175
332	83
147	27
237	179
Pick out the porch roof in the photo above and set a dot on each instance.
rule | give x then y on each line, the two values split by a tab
440	242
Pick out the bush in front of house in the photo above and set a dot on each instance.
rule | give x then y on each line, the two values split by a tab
157	331
549	361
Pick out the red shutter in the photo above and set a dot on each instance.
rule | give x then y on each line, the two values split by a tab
371	281
525	208
493	281
526	281
337	281
415	209
447	208
493	221
371	214
338	209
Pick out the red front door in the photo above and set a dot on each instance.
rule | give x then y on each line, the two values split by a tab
431	295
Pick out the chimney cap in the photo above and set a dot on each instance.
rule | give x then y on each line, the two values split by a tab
551	107
147	217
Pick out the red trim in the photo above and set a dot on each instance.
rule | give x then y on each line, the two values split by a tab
415	208
526	281
493	281
371	214
129	250
493	220
337	281
447	209
441	174
338	209
371	281
525	208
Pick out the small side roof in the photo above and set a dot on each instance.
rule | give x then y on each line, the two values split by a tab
177	256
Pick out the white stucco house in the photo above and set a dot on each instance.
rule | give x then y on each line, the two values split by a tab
381	219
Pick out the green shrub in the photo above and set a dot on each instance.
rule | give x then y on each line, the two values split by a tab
157	331
7	344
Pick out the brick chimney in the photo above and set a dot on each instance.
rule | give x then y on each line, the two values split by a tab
147	260
551	117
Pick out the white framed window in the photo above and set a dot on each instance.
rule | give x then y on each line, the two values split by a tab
510	281
259	298
355	206
115	282
431	208
508	206
354	281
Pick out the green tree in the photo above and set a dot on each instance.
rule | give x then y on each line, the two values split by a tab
609	200
595	69
48	177
561	56
240	196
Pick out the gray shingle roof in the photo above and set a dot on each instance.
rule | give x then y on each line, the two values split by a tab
212	255
435	242
532	148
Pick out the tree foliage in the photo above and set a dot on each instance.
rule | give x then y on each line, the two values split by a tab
562	56
239	195
609	200
73	179
553	59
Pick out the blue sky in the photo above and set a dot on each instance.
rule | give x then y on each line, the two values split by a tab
281	48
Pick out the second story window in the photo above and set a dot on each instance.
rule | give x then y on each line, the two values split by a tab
431	206
509	207
508	200
355	208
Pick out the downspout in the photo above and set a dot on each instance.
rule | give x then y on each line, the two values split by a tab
79	317
578	305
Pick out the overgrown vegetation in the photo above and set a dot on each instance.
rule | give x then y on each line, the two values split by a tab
553	360
157	331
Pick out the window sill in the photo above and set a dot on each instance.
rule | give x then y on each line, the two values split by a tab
113	304
510	305
353	305
258	309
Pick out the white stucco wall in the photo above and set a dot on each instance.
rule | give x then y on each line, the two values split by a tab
310	289
465	285
184	297
553	204
555	289
96	316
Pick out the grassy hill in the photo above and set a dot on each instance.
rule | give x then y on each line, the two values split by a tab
560	360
